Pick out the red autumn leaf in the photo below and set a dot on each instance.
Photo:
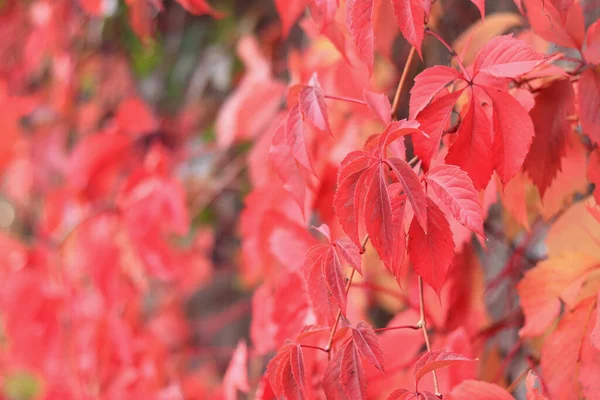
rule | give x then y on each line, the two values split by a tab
282	161
480	6
135	118
410	16
412	189
454	187
313	107
433	120
591	53
403	394
350	252
199	7
236	376
294	135
380	106
287	374
513	134
359	18
506	57
289	11
431	253
588	99
366	341
472	149
550	116
394	131
345	375
323	11
594	172
325	279
478	390
546	21
427	84
433	360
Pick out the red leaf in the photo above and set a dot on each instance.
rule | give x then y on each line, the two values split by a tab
550	117
366	341
283	163
588	99
395	130
312	104
236	376
431	253
592	49
350	252
472	149
378	218
286	372
325	280
294	136
289	11
433	360
344	377
380	106
352	373
427	84
594	172
403	394
199	7
454	187
323	11
412	188
410	15
135	118
352	171
481	6
513	134
547	22
478	390
359	18
506	57
433	120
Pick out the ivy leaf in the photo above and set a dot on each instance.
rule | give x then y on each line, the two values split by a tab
286	372
345	375
472	149
433	360
410	15
289	11
312	104
454	187
550	116
359	18
350	252
427	84
592	49
506	57
367	343
236	376
478	390
588	99
513	134
412	188
380	106
431	253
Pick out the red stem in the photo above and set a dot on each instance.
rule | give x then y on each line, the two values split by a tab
347	99
392	328
452	53
314	347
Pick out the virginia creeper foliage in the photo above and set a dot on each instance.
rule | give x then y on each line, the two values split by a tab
414	229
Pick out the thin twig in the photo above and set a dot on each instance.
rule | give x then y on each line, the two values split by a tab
393	328
516	382
346	99
452	52
313	347
396	103
423	325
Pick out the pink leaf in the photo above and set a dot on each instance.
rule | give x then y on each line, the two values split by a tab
478	390
350	252
380	106
312	104
367	343
433	360
427	84
506	57
410	15
412	188
431	253
359	17
588	99
454	187
592	49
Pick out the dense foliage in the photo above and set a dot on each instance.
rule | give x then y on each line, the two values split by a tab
445	244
